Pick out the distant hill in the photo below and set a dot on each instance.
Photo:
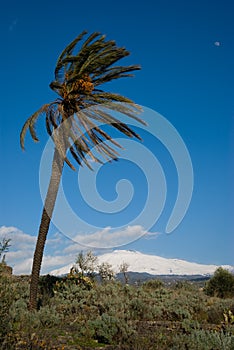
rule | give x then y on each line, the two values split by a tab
150	264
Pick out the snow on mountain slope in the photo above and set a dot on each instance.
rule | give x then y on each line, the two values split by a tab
152	264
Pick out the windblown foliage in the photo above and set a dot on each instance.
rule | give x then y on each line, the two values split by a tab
81	106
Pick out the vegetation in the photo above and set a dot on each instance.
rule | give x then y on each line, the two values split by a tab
124	269
80	313
72	119
4	247
221	284
86	264
106	272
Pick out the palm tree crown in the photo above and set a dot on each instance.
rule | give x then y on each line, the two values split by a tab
81	104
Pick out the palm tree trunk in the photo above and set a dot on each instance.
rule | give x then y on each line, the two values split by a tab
57	168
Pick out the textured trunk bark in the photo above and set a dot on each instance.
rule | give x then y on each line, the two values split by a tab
57	168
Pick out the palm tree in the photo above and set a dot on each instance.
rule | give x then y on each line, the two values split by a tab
71	119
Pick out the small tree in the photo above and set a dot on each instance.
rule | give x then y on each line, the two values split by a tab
86	263
124	269
106	272
221	284
4	248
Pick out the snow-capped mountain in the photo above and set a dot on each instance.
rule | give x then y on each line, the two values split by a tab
151	264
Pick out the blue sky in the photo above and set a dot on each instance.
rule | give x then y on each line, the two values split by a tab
186	50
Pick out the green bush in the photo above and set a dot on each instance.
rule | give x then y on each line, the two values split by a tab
207	340
46	288
153	284
6	299
217	309
109	329
105	327
123	316
221	284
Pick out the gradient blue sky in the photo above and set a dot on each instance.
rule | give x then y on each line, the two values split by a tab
186	50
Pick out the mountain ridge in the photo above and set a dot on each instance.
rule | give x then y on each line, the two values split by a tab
151	264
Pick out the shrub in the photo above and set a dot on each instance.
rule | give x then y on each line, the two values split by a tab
207	340
105	328
46	288
153	284
6	299
186	285
109	329
218	308
221	284
124	316
106	272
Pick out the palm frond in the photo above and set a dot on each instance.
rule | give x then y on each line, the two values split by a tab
73	119
114	103
67	52
94	57
115	73
30	124
91	38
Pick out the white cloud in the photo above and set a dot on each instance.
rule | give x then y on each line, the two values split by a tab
152	235
21	242
23	267
22	247
4	230
17	236
51	262
75	248
20	255
107	238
